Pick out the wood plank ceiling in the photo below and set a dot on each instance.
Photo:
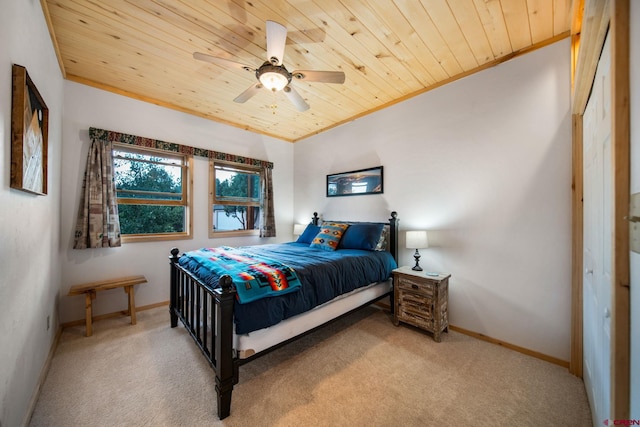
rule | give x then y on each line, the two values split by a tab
390	50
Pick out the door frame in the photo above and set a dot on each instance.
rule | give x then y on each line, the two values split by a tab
590	21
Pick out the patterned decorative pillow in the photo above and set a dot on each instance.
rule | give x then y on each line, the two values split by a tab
329	236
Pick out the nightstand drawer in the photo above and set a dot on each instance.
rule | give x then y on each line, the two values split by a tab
420	319
417	286
416	309
416	302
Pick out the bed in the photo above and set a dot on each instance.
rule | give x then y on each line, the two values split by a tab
233	319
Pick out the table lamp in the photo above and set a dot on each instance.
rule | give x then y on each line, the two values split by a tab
417	240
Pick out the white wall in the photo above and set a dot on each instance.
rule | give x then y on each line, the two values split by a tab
29	234
484	163
635	188
86	107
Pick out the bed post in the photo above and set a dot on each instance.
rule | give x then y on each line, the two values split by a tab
315	220
393	248
225	296
173	293
393	238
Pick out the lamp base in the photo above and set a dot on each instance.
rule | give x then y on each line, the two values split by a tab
416	256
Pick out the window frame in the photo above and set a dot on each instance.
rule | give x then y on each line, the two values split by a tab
235	202
186	161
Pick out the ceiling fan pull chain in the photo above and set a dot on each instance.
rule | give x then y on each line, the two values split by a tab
273	105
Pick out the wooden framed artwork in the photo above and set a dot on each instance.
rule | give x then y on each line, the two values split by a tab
29	135
355	183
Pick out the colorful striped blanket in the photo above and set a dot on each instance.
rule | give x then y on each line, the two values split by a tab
254	276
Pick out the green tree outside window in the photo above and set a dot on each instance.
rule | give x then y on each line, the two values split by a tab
151	196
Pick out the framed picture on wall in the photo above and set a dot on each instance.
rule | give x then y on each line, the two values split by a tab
29	133
355	183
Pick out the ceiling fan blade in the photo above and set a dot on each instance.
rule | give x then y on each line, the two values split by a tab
295	98
221	61
319	76
244	96
276	41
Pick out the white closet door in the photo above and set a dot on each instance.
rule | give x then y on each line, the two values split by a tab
597	286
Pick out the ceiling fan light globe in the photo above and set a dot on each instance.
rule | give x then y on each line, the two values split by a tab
273	81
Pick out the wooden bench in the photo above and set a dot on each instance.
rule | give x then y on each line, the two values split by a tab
90	290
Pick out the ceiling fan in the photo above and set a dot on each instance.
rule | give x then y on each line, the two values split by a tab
272	74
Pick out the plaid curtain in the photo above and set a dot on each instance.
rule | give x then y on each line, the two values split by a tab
98	224
267	217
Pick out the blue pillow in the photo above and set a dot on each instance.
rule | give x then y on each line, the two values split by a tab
308	234
361	236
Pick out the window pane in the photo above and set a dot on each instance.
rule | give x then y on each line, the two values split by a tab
236	184
147	177
133	154
151	180
232	218
151	219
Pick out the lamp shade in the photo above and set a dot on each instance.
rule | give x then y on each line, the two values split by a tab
273	81
417	239
298	229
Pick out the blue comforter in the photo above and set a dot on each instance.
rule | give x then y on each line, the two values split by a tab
324	275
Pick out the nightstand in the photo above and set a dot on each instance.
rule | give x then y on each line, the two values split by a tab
421	300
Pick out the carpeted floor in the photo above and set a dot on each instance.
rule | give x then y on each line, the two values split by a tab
360	371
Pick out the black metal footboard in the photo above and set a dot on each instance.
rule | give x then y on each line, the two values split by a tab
208	316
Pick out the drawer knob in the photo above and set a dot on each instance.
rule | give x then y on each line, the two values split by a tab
415	286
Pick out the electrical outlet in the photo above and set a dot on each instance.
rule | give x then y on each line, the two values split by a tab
48	322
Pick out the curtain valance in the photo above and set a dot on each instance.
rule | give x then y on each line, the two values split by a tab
123	138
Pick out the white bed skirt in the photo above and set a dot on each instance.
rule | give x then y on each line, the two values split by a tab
247	345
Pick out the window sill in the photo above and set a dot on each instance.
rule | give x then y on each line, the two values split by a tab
237	233
135	238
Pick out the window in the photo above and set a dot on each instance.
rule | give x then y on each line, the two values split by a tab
153	191
234	200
